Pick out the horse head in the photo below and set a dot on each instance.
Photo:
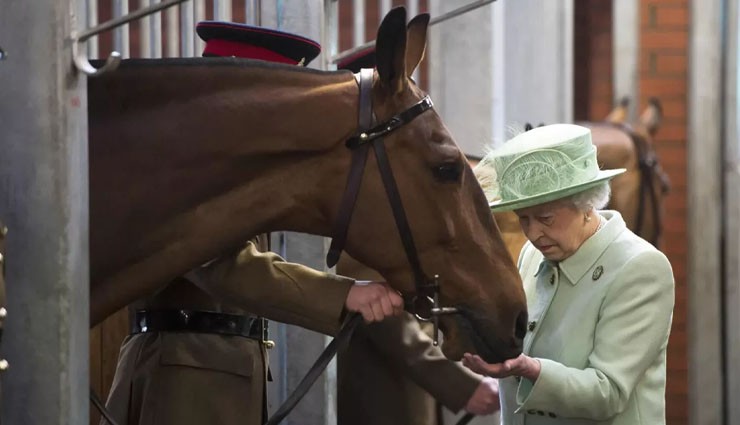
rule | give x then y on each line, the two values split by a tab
191	157
450	221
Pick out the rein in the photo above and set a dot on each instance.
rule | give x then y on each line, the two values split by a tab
648	165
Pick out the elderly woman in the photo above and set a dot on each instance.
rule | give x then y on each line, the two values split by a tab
600	299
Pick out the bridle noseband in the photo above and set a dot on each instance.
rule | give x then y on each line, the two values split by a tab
424	302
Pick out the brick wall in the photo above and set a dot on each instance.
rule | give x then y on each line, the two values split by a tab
663	63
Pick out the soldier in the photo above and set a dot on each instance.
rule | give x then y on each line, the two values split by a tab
193	359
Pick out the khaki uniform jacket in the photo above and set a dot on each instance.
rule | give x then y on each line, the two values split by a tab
171	378
599	325
391	373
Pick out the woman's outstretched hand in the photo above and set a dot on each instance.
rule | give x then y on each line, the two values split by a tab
524	366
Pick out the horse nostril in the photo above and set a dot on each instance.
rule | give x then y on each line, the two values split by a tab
520	329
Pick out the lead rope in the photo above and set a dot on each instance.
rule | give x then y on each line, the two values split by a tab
104	412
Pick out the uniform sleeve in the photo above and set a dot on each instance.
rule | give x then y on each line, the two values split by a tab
633	328
266	285
401	341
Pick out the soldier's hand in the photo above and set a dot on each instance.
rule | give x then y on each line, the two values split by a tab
374	300
484	400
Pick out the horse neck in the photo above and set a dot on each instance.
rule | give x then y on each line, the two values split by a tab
263	137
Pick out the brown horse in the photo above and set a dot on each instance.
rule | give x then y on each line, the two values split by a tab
191	157
637	194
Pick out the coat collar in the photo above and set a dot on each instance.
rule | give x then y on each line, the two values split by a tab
575	266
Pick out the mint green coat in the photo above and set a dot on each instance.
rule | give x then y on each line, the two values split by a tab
599	325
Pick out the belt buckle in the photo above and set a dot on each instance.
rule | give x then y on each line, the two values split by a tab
269	344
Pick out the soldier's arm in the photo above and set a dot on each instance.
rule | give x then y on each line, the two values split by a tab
402	341
266	285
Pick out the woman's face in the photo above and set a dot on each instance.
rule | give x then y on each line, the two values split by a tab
556	228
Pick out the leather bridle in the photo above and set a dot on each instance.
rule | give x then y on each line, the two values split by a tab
424	302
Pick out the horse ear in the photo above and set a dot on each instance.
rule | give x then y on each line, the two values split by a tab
618	115
652	116
417	42
390	50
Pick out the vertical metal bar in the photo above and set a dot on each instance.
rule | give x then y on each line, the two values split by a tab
705	368
44	187
280	14
731	231
385	7
121	34
566	34
358	20
187	31
249	12
222	10
253	12
92	20
329	34
145	32
156	30
199	10
412	8
173	42
498	73
626	52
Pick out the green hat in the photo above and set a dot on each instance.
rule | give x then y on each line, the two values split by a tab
545	164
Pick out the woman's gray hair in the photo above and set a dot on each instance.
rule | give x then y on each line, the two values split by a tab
594	198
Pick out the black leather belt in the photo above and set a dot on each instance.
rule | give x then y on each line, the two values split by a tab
199	322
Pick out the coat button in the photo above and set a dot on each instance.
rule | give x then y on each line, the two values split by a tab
552	279
541	413
552	415
532	325
532	412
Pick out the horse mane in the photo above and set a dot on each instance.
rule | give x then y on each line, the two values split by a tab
214	62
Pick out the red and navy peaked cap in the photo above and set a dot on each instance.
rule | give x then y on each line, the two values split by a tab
250	42
365	58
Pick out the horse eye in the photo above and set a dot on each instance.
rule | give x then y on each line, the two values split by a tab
447	172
